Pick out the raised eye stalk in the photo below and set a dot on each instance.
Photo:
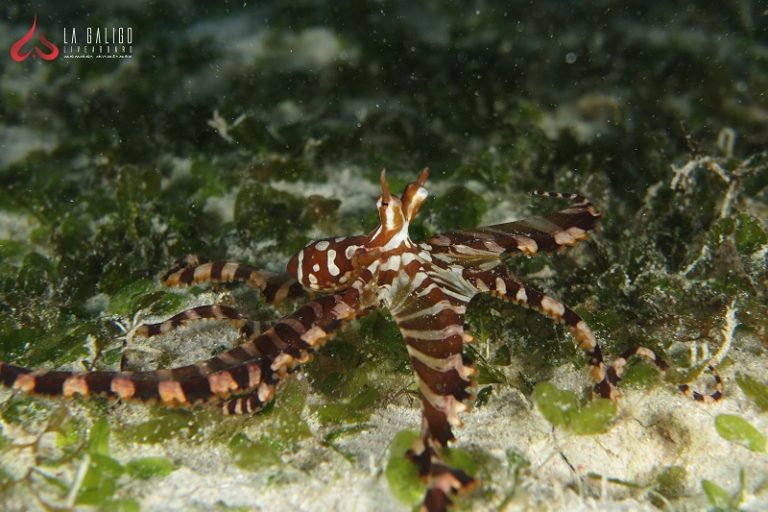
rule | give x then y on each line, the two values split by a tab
385	195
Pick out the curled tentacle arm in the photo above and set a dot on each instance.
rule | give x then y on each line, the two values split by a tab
443	481
501	283
716	395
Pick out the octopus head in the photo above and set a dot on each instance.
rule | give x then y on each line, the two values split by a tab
331	264
395	213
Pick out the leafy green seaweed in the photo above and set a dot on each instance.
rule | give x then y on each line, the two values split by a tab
562	409
737	430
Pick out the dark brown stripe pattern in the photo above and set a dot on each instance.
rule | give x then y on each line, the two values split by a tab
192	269
549	232
192	315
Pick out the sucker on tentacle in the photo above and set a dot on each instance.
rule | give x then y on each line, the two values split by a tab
426	287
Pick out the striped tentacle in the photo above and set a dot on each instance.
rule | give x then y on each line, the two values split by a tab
606	377
432	324
442	480
179	386
310	327
709	398
247	327
618	365
445	481
282	287
431	320
191	270
549	232
254	368
502	284
198	313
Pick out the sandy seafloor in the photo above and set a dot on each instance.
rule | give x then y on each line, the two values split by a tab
332	106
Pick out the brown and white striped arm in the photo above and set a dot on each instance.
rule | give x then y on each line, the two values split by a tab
443	481
254	368
221	312
501	283
431	321
549	232
306	330
712	397
191	270
199	313
619	364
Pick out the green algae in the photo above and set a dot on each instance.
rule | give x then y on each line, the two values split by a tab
556	405
287	425
143	294
403	476
562	409
670	482
754	389
483	395
594	417
517	464
356	409
257	207
718	497
121	505
254	455
98	438
25	411
164	424
721	500
354	395
640	376
459	208
749	234
104	476
100	482
381	343
739	431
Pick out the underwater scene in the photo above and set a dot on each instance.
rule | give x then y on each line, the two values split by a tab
421	362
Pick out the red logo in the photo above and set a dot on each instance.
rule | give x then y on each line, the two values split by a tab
16	49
